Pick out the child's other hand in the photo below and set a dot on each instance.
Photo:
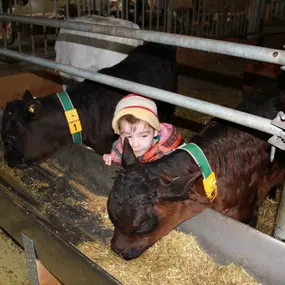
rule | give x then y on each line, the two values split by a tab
107	159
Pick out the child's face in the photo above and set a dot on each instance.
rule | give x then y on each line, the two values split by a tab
141	136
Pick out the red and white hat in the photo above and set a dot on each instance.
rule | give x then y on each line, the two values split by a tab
140	107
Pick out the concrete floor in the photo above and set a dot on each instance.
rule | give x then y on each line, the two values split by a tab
13	269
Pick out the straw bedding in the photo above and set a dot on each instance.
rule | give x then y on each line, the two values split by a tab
175	259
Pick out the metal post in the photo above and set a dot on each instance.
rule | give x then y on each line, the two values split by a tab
169	21
3	26
255	25
31	259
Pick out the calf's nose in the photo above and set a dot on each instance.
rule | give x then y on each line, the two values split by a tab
126	253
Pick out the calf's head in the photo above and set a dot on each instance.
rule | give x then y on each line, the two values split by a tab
148	200
32	129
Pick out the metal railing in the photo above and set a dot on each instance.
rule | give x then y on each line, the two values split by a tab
228	48
229	114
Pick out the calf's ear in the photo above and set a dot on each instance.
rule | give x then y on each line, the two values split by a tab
128	157
179	187
33	110
28	97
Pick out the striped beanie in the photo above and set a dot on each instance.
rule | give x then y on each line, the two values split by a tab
140	107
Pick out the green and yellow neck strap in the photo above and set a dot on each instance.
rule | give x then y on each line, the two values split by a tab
71	116
209	181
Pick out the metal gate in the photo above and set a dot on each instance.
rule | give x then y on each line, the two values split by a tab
211	19
274	17
202	18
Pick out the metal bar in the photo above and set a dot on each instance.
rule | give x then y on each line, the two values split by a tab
150	14
19	37
282	13
239	24
89	7
271	11
157	14
18	31
246	20
214	24
32	30
280	10
67	8
217	25
202	29
181	22
187	22
174	16
198	18
234	24
31	259
209	19
143	13
78	8
234	49
44	28
3	27
169	21
117	9
135	11
221	25
165	15
55	13
193	17
108	8
228	114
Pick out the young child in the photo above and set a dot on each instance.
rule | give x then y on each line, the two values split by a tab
136	118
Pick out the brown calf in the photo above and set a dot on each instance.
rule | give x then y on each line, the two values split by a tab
150	199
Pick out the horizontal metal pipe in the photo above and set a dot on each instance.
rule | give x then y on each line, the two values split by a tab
234	49
225	113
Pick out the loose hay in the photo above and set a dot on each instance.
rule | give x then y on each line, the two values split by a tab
268	211
175	259
98	205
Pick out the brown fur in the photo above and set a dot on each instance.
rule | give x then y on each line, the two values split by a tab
148	200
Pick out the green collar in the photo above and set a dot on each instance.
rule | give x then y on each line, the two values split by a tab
71	116
209	181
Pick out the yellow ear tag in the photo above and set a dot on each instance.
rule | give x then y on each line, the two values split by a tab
210	186
31	110
175	178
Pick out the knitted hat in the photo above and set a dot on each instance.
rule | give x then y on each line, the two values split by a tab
140	107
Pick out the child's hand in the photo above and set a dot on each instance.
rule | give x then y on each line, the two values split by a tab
107	159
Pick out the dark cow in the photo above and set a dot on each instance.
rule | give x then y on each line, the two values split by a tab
32	137
148	200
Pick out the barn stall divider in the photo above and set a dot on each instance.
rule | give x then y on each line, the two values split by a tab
260	255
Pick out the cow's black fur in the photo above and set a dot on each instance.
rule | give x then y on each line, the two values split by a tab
32	137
